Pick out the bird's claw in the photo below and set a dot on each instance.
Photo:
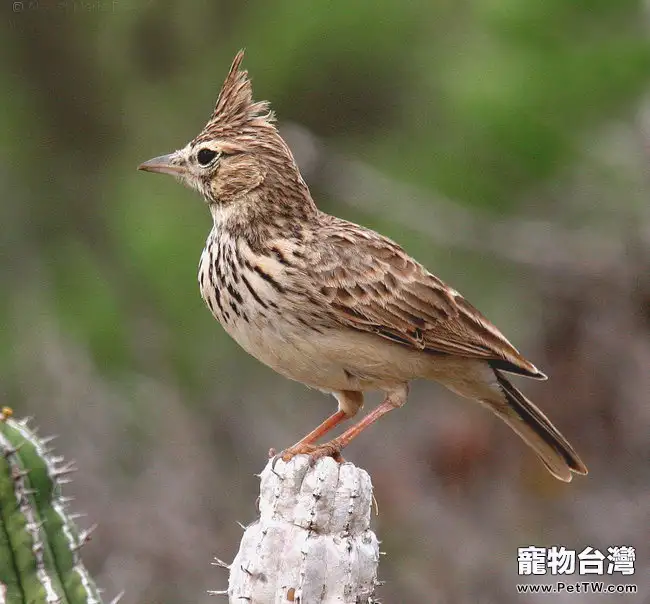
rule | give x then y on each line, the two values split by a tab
315	452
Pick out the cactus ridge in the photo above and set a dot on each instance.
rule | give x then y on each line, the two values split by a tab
40	544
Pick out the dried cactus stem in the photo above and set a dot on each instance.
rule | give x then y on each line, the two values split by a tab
312	542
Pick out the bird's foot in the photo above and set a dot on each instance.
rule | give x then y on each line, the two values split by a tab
329	449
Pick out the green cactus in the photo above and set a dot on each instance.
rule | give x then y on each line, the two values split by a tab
39	541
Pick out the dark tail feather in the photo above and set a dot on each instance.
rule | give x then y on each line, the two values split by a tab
538	432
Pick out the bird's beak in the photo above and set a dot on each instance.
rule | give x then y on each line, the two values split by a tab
165	164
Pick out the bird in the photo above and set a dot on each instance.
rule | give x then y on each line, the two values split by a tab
332	304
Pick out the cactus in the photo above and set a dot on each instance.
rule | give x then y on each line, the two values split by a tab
39	541
312	542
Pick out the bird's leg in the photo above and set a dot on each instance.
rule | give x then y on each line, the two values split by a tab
350	401
394	399
303	445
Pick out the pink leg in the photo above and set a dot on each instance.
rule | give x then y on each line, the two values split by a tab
306	444
329	424
333	448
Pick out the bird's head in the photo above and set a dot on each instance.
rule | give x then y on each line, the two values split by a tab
238	161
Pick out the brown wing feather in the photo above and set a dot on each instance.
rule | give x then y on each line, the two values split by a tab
372	284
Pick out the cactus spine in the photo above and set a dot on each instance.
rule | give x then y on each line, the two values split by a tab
39	541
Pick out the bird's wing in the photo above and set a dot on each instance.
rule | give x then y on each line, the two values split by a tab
371	284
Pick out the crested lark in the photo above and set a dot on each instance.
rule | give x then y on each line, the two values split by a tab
332	304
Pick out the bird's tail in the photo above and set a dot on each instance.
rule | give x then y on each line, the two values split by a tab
537	431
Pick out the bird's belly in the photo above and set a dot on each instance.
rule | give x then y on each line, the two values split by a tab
329	360
292	354
264	322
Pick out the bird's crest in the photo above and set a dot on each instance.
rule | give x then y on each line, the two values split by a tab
235	107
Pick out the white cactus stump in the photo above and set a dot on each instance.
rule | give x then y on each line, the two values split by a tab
312	542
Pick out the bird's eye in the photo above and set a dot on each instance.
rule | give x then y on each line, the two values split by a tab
205	156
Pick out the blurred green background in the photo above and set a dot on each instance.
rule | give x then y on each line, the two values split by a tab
504	143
